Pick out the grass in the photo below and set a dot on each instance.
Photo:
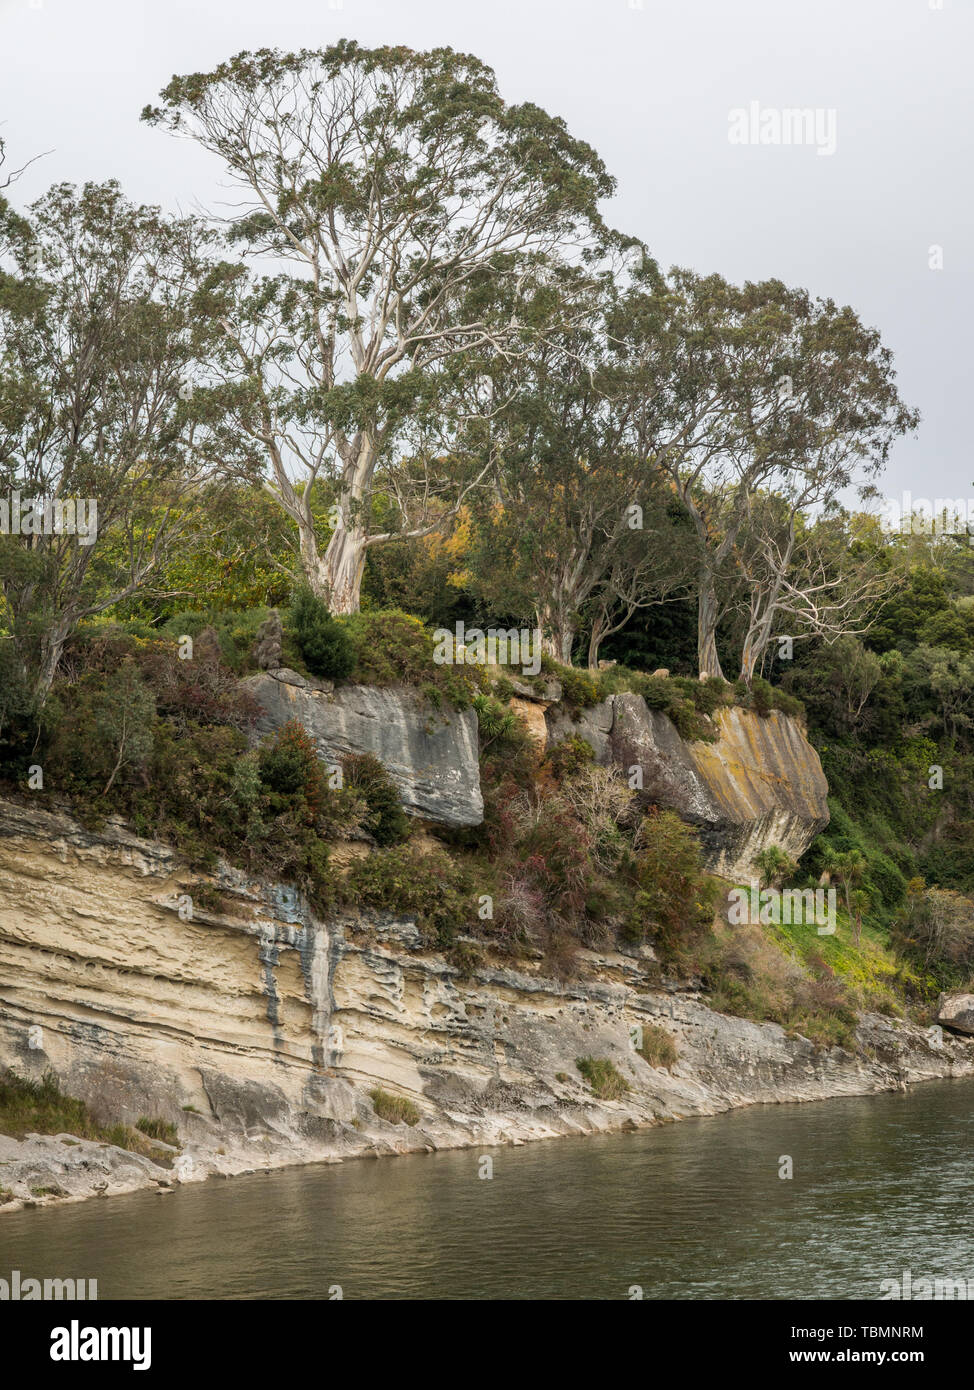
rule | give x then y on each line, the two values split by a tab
41	1107
396	1110
658	1047
158	1129
602	1077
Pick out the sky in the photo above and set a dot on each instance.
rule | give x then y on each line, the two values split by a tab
683	100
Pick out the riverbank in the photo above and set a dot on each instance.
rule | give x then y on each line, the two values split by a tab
730	1064
269	1036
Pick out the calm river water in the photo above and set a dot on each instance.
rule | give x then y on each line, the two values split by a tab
695	1210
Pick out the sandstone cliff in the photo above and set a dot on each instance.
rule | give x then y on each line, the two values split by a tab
761	783
273	1027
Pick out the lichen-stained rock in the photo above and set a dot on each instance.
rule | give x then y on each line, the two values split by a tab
431	755
761	783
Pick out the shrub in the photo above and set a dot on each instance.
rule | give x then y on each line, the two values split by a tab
603	803
386	820
290	770
762	696
773	864
395	1110
326	645
674	901
935	931
498	724
394	648
579	689
427	886
569	755
603	1078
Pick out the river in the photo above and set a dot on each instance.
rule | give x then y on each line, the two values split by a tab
693	1210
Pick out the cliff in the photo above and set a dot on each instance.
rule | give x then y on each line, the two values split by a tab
260	1030
760	783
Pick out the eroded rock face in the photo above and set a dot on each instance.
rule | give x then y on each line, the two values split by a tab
956	1011
260	1030
431	755
760	784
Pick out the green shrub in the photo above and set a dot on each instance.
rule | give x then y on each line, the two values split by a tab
326	644
579	689
290	770
762	696
387	822
603	1078
394	648
426	886
657	691
569	755
395	1110
500	726
674	901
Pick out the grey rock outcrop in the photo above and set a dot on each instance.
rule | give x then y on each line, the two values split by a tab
431	755
956	1011
761	783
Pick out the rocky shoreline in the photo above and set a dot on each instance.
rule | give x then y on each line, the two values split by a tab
264	1033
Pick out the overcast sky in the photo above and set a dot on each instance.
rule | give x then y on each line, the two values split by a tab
651	86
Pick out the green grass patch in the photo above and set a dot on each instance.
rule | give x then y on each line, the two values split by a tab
603	1079
395	1110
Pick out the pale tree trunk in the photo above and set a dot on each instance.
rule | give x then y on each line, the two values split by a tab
755	645
557	633
52	649
600	630
336	576
708	662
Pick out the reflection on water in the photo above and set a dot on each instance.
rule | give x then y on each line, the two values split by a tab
693	1210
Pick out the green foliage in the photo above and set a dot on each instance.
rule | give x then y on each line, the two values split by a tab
41	1107
569	755
386	821
580	689
500	726
774	865
674	901
934	931
291	773
603	1078
395	648
155	1128
427	886
326	645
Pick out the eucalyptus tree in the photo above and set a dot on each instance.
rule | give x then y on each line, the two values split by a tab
805	577
385	191
757	389
105	314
